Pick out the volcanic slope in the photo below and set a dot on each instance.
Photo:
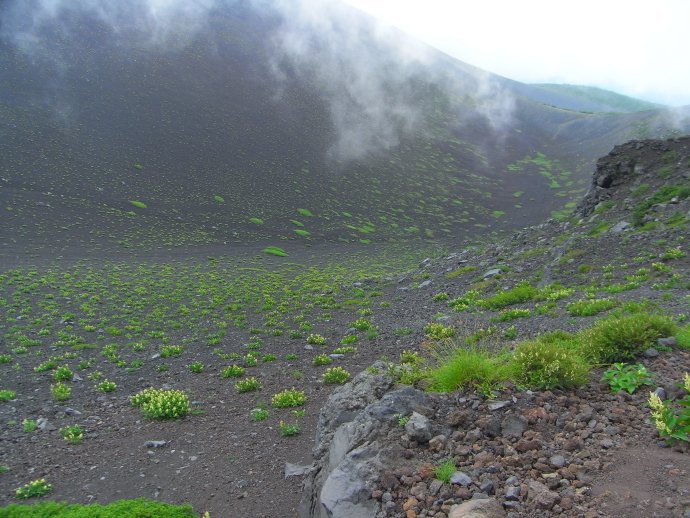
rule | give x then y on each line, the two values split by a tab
252	127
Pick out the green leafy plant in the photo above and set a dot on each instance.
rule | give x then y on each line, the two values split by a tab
232	371
344	350
138	204
335	375
523	292
34	489
275	250
161	404
626	377
72	434
672	420
288	429
6	395
63	374
361	324
672	253
169	351
258	414
444	471
316	339
247	385
590	307
437	331
138	508
289	398
60	391
29	425
321	359
106	386
195	367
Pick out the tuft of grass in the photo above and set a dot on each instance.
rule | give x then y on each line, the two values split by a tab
523	292
458	366
275	250
548	362
289	398
119	509
590	307
683	337
621	338
335	375
444	471
138	204
256	221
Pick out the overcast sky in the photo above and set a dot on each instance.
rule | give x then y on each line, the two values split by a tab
639	48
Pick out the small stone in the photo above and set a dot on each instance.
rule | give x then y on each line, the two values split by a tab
524	445
606	443
45	425
492	273
513	493
667	342
513	426
487	486
460	478
497	405
542	496
481	508
410	503
424	284
651	352
72	411
418	428
557	461
296	470
661	392
438	442
619	227
435	487
155	444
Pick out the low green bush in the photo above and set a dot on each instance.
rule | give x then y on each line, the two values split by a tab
548	363
617	339
161	404
523	292
457	366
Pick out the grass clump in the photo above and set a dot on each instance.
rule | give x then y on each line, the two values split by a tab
247	385
672	420
33	489
321	359
161	404
232	371
621	338
335	376
444	471
72	434
662	195
683	337
7	395
523	292
436	331
275	250
459	366
60	391
139	508
589	307
138	204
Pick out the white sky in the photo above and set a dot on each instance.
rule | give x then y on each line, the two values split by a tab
638	48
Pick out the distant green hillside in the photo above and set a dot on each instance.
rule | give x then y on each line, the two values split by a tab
598	99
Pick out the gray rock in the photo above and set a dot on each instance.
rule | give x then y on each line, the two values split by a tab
669	341
487	486
438	442
513	493
482	508
541	495
72	411
492	273
418	428
497	405
297	470
650	353
435	487
513	426
661	392
424	284
460	478
557	461
619	227
155	444
45	425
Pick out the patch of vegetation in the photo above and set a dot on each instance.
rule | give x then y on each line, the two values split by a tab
548	362
139	508
289	398
33	489
459	271
523	292
444	471
275	250
672	419
663	195
161	404
335	375
247	385
138	204
626	377
590	307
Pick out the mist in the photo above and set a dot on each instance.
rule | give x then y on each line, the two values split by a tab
367	73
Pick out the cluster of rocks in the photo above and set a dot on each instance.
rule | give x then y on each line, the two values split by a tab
536	454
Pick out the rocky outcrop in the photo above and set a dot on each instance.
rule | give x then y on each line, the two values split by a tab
354	444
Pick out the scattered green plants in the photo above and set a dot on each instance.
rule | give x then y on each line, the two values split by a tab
440	297
33	489
672	254
672	420
289	398
73	434
626	377
344	350
335	375
511	314
139	508
349	339
170	351
457	366
444	471
247	385
523	292
161	404
361	324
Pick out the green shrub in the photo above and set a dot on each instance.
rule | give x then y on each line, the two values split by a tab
436	331
444	471
33	489
547	363
72	434
106	386
247	385
63	374
617	339
288	429
168	351
672	419
321	359
316	339
335	375
60	391
7	395
138	204
289	398
683	337
626	377
511	314
161	404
